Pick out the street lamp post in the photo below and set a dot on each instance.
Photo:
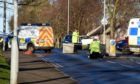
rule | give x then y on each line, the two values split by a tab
14	49
4	23
68	18
104	20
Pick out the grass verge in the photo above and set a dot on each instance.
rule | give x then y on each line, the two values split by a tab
4	70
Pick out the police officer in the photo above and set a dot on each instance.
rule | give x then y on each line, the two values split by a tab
75	39
95	48
75	36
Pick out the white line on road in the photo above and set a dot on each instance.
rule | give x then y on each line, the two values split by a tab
138	62
111	62
57	65
120	64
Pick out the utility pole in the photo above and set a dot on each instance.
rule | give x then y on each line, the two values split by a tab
4	22
104	40
14	51
4	17
104	22
68	27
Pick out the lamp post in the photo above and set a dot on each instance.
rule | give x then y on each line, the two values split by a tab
104	21
4	23
14	49
68	18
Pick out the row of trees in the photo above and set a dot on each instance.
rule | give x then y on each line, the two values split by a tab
85	15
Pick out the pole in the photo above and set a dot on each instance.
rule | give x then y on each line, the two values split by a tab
104	38
4	23
4	17
14	51
68	18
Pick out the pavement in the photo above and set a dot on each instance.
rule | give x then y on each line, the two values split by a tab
32	70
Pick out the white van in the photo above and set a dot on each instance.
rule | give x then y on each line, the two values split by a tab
133	34
35	36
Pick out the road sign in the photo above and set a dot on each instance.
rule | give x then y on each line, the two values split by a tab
104	21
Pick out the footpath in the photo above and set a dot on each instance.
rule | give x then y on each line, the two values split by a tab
32	70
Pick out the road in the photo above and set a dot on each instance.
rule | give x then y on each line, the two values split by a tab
120	70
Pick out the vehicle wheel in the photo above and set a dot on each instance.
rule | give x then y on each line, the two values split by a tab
30	47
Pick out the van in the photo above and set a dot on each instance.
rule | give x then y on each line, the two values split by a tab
35	36
133	34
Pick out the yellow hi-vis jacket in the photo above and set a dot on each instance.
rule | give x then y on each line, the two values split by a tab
1	40
75	37
94	46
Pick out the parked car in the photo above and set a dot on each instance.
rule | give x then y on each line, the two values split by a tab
123	46
67	39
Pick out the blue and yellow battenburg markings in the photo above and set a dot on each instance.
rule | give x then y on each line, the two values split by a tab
134	33
26	40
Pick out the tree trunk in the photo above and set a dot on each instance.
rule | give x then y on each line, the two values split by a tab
113	20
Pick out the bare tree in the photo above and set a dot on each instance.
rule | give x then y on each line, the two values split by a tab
85	15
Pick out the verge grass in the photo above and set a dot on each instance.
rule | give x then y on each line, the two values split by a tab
4	70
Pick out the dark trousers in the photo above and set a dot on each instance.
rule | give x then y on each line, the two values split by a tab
95	55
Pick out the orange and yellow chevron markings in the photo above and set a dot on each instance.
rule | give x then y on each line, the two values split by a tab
46	37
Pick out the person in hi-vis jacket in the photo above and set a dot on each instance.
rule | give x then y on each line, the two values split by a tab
95	48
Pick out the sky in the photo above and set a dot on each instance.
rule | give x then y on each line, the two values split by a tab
9	14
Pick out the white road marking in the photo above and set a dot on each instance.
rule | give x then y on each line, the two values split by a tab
111	62
138	62
120	64
57	65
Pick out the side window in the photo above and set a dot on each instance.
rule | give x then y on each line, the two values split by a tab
133	31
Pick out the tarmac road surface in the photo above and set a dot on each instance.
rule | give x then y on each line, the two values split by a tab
120	70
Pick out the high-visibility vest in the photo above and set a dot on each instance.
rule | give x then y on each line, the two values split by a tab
75	37
95	46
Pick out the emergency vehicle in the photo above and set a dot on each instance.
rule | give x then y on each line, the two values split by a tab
35	36
133	34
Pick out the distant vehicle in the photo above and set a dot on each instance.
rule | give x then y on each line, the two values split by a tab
67	39
133	34
35	36
83	40
122	45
